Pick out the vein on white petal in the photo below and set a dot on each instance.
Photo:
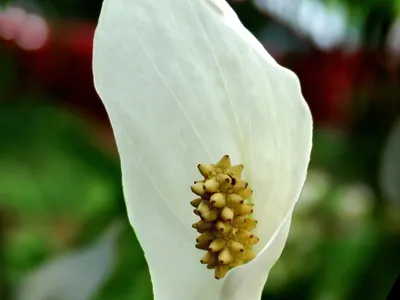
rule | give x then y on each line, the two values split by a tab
278	230
173	212
288	161
224	82
192	58
174	95
245	88
173	21
263	206
272	92
251	153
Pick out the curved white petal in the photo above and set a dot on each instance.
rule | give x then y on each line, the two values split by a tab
184	83
390	166
247	282
73	276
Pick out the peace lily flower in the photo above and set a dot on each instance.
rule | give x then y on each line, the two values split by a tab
185	84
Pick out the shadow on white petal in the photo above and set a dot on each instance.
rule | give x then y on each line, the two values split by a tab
247	282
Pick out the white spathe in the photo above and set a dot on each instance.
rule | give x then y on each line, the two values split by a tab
185	83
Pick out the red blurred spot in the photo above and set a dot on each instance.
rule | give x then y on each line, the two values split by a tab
29	31
11	21
33	33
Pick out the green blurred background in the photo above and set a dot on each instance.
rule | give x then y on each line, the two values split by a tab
60	185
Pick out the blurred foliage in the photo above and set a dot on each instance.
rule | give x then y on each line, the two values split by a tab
352	243
53	186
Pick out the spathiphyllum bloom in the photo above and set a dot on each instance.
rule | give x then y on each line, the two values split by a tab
214	139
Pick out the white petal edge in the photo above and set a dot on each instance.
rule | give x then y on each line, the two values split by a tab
184	83
248	282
